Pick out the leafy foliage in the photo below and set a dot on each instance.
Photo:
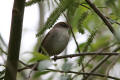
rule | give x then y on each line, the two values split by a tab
83	21
64	4
37	74
39	57
86	45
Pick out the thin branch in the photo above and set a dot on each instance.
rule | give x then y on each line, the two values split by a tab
105	20
75	41
112	64
76	45
71	31
84	73
33	68
23	63
27	67
3	51
1	38
108	25
73	36
85	54
71	56
98	12
85	6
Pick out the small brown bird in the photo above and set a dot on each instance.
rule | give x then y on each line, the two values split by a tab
56	40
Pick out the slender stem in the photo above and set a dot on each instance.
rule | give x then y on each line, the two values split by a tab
85	54
105	20
84	73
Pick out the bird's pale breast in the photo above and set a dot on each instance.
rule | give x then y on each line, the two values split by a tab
56	42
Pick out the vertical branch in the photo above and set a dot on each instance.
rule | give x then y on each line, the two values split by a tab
15	40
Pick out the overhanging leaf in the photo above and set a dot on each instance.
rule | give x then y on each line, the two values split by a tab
39	57
64	4
38	74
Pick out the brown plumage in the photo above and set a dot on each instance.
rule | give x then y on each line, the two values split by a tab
56	40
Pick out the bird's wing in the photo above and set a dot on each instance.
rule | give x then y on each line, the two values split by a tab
50	33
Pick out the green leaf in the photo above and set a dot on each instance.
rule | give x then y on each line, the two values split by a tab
38	74
71	12
90	40
78	18
86	45
81	46
38	57
63	5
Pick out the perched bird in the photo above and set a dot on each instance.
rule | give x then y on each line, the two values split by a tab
56	40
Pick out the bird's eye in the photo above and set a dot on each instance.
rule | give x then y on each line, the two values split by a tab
63	24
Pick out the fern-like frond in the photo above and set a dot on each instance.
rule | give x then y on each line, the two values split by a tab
63	5
80	22
89	41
